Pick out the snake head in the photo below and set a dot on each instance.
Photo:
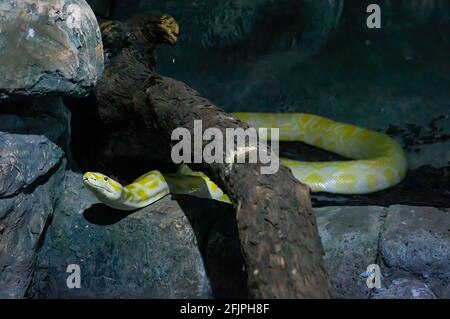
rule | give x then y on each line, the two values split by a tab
103	187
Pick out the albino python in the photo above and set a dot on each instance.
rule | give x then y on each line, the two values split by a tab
378	162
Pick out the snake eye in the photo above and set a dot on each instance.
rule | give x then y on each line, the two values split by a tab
105	178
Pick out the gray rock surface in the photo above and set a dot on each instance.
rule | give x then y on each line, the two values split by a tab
32	170
152	253
350	239
23	159
417	239
33	137
48	47
410	244
405	288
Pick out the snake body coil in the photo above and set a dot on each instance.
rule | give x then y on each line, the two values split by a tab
378	162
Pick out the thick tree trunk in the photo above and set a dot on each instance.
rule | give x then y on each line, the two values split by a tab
278	232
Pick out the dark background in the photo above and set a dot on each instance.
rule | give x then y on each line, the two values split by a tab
319	57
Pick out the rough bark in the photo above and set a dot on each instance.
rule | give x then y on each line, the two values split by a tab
278	232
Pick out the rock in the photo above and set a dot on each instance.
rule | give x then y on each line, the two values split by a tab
350	240
214	224
45	116
417	239
405	288
152	253
25	216
32	168
410	244
23	160
435	155
48	47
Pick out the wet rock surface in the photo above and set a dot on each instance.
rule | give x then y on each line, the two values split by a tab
60	48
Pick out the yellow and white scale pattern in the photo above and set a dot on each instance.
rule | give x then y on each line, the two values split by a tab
378	162
151	187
